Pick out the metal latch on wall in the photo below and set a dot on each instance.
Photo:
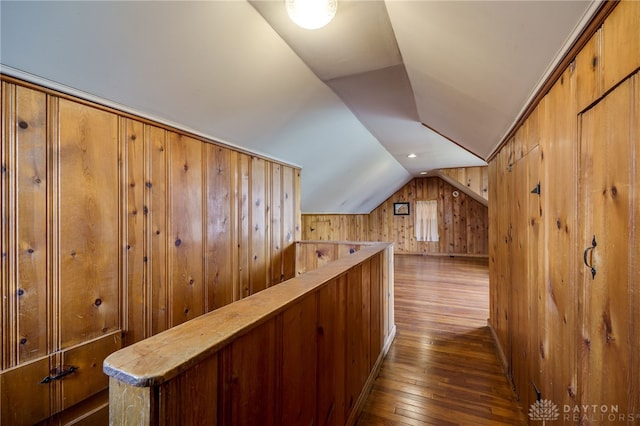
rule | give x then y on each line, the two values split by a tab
58	373
536	190
589	263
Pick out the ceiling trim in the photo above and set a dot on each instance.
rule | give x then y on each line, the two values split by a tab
585	29
452	141
26	79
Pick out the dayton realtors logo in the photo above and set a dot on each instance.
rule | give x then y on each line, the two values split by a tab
544	410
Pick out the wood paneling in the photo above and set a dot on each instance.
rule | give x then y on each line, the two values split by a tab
136	210
589	72
296	353
608	155
456	216
300	363
87	358
185	229
88	223
31	217
311	255
259	226
473	179
620	43
220	227
558	308
24	400
335	227
115	225
332	341
182	397
462	222
156	189
565	334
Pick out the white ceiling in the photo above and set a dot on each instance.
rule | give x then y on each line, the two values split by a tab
347	102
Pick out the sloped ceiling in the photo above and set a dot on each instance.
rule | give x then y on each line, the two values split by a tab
347	102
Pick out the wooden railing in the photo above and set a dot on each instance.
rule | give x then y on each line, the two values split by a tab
302	352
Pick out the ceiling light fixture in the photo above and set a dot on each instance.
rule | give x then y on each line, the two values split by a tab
311	14
411	156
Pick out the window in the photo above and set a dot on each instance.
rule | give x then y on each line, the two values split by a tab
427	220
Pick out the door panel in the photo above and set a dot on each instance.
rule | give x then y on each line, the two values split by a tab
88	379
607	160
88	223
25	400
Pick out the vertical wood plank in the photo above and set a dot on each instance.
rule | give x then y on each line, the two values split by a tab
332	340
131	405
560	303
588	73
186	221
621	42
31	222
520	317
156	198
277	238
220	199
356	338
299	362
244	220
88	223
7	132
190	399
250	381
534	255
375	308
136	214
290	183
634	247
259	205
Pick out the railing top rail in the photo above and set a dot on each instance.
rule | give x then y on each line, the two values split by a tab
163	356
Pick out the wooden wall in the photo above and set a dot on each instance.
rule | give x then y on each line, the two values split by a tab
474	179
303	353
335	227
115	228
462	222
567	336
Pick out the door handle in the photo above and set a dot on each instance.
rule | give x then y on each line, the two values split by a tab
587	251
59	374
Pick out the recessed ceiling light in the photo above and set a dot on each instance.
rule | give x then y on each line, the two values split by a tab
412	156
423	173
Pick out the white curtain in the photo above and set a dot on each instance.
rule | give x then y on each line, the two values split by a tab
426	220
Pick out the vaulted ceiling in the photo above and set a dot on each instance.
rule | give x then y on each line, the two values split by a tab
445	80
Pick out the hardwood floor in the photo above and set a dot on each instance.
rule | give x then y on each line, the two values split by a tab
442	368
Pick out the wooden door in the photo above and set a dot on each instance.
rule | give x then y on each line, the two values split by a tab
62	236
608	351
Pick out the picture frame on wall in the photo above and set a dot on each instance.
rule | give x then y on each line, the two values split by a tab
401	209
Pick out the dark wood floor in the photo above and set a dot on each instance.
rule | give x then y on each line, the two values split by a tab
442	368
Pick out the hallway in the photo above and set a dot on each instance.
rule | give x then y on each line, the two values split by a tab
442	368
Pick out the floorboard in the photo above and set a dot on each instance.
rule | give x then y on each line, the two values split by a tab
442	368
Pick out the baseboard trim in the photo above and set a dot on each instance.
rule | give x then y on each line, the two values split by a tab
359	405
499	350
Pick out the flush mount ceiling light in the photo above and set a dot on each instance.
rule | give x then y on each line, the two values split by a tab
311	14
411	156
